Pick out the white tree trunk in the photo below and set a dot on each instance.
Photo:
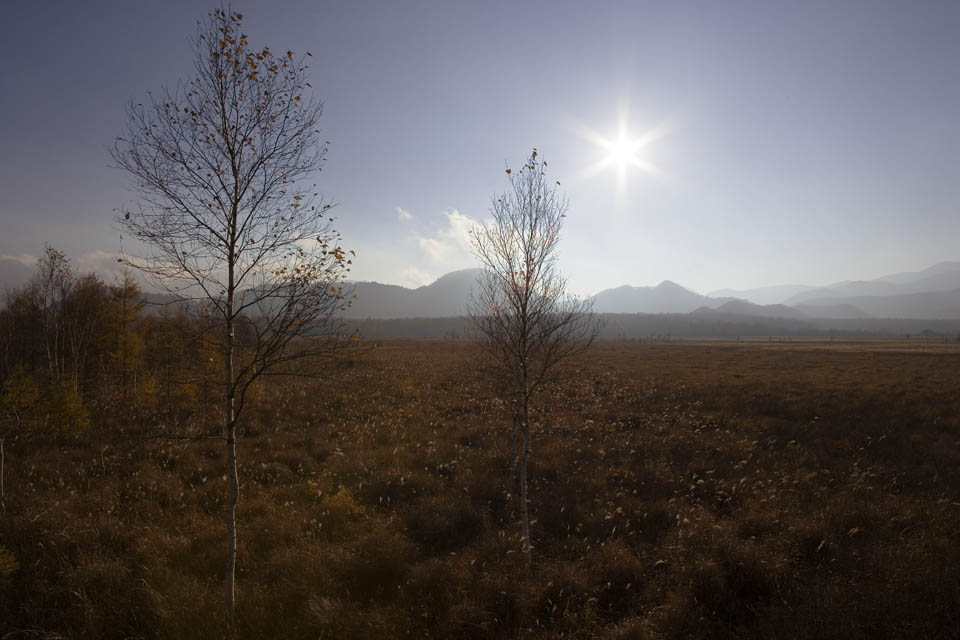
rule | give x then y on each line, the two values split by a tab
233	495
524	492
233	478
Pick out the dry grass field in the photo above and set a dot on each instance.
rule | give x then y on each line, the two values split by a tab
679	490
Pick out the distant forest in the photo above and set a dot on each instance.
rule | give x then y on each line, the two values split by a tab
72	347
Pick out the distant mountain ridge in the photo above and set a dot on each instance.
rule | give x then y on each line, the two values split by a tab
926	304
933	293
666	297
943	276
763	295
447	296
745	308
907	277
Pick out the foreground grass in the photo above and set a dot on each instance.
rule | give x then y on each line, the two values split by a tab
681	490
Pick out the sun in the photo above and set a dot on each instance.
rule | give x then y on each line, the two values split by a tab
623	152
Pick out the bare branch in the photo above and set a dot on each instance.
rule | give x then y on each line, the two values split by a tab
521	310
227	214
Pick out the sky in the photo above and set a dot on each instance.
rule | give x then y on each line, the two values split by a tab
785	142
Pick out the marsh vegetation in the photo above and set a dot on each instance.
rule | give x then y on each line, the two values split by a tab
684	489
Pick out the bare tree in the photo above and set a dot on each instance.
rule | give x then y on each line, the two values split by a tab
526	319
51	286
223	218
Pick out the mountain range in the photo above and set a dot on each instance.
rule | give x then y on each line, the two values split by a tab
445	297
933	293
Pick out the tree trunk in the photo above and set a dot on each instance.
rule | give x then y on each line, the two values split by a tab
103	464
3	504
514	443
524	512
233	495
233	478
230	428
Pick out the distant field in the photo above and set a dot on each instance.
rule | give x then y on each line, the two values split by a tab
694	326
683	489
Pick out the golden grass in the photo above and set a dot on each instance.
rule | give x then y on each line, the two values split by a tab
749	489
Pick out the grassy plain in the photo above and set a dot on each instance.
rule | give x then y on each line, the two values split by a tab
679	490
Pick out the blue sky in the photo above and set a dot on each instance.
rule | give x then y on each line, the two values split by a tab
797	142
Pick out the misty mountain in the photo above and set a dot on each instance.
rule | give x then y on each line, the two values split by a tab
763	295
445	297
666	297
908	277
941	277
927	304
942	281
745	308
931	293
829	309
449	295
851	289
944	276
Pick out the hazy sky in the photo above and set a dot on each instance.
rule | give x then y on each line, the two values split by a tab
800	142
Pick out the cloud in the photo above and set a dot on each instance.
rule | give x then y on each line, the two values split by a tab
413	278
434	245
452	242
102	263
25	259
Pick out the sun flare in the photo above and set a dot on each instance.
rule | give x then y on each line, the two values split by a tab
623	152
626	152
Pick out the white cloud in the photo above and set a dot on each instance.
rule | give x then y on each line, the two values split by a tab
403	215
102	263
25	259
450	243
413	278
434	245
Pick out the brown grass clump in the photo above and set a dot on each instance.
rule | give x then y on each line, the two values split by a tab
679	490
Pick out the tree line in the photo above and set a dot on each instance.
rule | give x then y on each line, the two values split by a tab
80	357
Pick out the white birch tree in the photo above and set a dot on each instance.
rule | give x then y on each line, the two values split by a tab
526	319
226	217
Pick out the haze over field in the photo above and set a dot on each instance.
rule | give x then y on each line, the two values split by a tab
734	145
